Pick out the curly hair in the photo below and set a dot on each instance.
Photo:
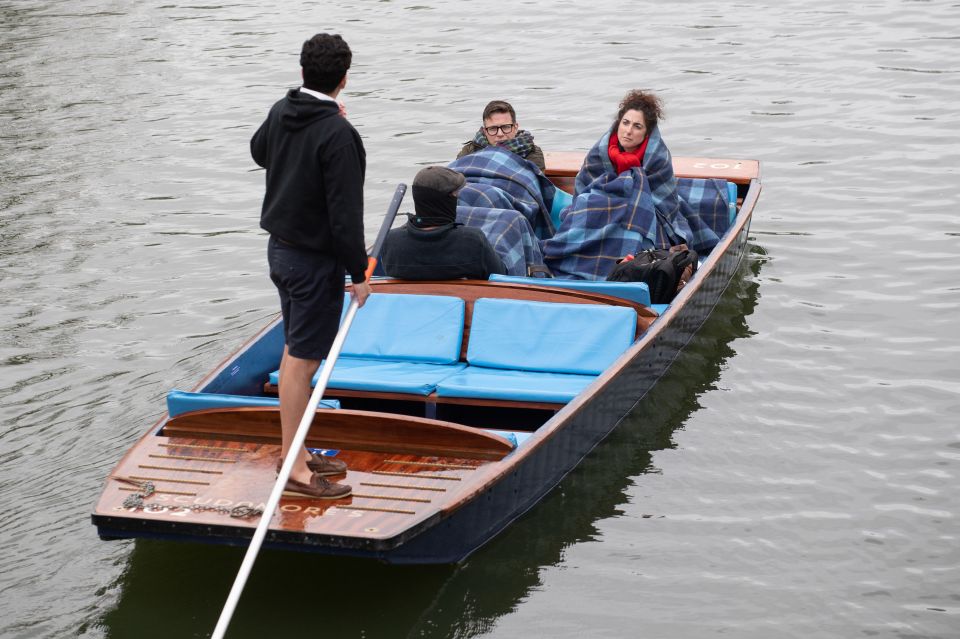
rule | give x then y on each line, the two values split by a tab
325	59
643	101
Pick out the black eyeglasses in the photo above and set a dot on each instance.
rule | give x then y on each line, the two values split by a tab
503	128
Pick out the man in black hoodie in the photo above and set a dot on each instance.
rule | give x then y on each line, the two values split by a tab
313	210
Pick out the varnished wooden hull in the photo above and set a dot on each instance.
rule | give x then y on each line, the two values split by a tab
435	501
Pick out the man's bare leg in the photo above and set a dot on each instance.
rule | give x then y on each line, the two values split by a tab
296	376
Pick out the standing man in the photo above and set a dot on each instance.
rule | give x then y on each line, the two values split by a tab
313	210
500	128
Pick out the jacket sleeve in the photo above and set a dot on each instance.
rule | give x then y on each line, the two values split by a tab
467	149
536	156
258	144
491	261
343	175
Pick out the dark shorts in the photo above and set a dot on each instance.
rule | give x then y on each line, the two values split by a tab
311	297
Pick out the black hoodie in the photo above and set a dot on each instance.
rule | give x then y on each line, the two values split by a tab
315	164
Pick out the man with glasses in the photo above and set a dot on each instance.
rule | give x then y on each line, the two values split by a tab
500	128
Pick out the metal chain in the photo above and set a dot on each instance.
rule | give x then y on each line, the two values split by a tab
136	501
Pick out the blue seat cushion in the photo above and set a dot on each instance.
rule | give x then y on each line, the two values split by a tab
490	383
581	339
561	200
637	292
354	373
422	328
179	402
732	200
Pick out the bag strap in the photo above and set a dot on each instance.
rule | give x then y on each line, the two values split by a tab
538	270
672	236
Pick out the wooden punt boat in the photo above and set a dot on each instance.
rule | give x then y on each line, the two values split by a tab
435	473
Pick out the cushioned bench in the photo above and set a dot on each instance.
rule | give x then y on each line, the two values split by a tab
637	292
537	351
399	344
180	402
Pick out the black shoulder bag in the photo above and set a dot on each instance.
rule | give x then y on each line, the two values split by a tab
665	271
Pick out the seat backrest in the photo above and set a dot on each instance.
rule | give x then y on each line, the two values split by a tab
637	292
732	200
561	200
541	336
179	402
421	328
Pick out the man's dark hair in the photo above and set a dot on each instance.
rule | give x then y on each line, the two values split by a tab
499	106
325	59
643	101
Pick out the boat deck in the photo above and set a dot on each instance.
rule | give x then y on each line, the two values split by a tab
391	492
394	491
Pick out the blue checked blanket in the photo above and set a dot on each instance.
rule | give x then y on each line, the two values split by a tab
509	199
498	178
708	200
508	231
613	215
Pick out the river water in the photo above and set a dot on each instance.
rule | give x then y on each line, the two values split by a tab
796	473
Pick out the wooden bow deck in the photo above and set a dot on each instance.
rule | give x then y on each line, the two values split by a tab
403	470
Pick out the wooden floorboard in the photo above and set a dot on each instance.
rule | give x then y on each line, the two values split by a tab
391	491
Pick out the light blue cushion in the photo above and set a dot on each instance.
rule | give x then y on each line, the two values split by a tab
634	291
179	402
510	436
732	200
581	339
489	383
385	376
561	200
423	328
660	308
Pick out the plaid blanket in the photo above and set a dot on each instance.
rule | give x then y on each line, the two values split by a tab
508	231
498	178
707	199
613	215
509	199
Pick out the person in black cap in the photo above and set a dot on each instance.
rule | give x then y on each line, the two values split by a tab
432	245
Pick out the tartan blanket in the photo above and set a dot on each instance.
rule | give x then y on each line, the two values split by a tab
509	199
497	178
508	231
613	215
708	197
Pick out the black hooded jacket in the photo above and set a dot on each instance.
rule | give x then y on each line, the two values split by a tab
315	164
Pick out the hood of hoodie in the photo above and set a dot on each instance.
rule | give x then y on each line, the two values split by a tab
299	110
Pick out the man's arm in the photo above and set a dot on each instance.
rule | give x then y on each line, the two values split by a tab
489	259
467	149
536	156
343	176
258	144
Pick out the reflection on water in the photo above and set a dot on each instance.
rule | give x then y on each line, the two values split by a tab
290	594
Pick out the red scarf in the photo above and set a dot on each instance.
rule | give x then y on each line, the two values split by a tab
625	160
